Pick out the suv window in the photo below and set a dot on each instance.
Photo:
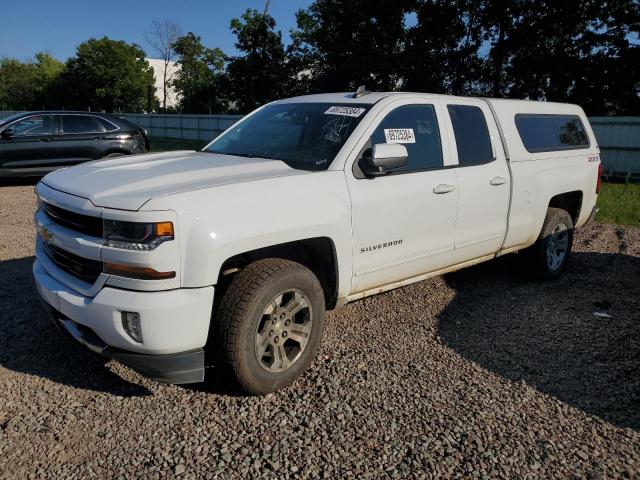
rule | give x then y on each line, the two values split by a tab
81	124
107	125
472	135
416	127
545	133
34	125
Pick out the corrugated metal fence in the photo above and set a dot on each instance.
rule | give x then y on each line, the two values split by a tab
618	137
619	141
184	127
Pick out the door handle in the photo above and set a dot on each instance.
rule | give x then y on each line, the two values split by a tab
443	188
498	181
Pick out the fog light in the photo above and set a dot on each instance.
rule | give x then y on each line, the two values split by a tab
131	325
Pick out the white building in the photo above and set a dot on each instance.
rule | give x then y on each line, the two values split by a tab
158	71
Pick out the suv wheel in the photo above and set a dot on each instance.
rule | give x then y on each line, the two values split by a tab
269	323
550	254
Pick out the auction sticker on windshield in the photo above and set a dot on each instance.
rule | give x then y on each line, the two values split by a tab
345	111
399	135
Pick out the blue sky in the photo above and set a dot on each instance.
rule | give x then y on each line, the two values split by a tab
58	26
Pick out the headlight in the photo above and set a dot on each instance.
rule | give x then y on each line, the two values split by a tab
135	235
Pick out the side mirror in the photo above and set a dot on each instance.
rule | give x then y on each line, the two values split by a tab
7	133
384	157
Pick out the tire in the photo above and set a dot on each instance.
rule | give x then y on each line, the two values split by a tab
548	257
254	330
114	155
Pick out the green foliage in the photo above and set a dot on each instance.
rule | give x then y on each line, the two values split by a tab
442	53
619	203
261	73
200	80
579	51
108	75
341	44
27	85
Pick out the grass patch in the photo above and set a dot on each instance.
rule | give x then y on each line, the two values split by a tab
619	203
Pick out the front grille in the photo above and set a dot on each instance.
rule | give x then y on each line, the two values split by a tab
75	221
82	268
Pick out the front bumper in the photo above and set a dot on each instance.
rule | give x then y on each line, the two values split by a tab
174	323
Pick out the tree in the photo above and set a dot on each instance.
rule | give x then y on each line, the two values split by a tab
579	51
28	85
48	71
441	52
200	80
108	75
260	75
341	44
162	38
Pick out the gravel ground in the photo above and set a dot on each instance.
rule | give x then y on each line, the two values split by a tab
481	373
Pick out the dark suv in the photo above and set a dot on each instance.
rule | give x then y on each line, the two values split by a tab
34	143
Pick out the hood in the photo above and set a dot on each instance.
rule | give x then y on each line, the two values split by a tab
128	182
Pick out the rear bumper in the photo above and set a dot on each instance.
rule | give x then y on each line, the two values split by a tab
592	216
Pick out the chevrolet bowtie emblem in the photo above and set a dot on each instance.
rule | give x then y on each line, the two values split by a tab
45	234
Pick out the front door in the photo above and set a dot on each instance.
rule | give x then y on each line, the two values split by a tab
403	223
31	145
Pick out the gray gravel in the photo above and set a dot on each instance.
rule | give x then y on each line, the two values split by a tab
481	373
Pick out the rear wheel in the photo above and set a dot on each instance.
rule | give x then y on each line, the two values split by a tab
269	324
548	257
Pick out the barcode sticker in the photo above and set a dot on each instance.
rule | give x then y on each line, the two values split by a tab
399	135
345	111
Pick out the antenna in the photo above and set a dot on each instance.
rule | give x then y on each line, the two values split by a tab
361	91
266	7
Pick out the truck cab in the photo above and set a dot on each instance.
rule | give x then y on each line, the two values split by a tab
230	256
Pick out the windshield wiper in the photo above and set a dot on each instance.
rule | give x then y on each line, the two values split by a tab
246	155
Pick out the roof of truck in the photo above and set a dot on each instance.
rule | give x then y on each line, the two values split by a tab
374	97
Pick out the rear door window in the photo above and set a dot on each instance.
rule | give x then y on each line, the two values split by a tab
416	127
81	124
545	133
472	135
107	125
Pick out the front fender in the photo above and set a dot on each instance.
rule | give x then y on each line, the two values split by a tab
220	222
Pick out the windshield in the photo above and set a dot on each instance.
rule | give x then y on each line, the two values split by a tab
306	136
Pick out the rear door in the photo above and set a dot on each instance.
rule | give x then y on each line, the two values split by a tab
483	180
403	223
31	146
80	138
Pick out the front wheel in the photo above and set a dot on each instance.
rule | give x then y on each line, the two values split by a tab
548	257
269	324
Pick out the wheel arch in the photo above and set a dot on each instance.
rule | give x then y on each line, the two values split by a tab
571	202
111	151
318	254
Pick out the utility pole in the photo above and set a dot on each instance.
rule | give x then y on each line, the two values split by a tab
266	7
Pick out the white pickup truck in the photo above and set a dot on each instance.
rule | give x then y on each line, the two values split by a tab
230	256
